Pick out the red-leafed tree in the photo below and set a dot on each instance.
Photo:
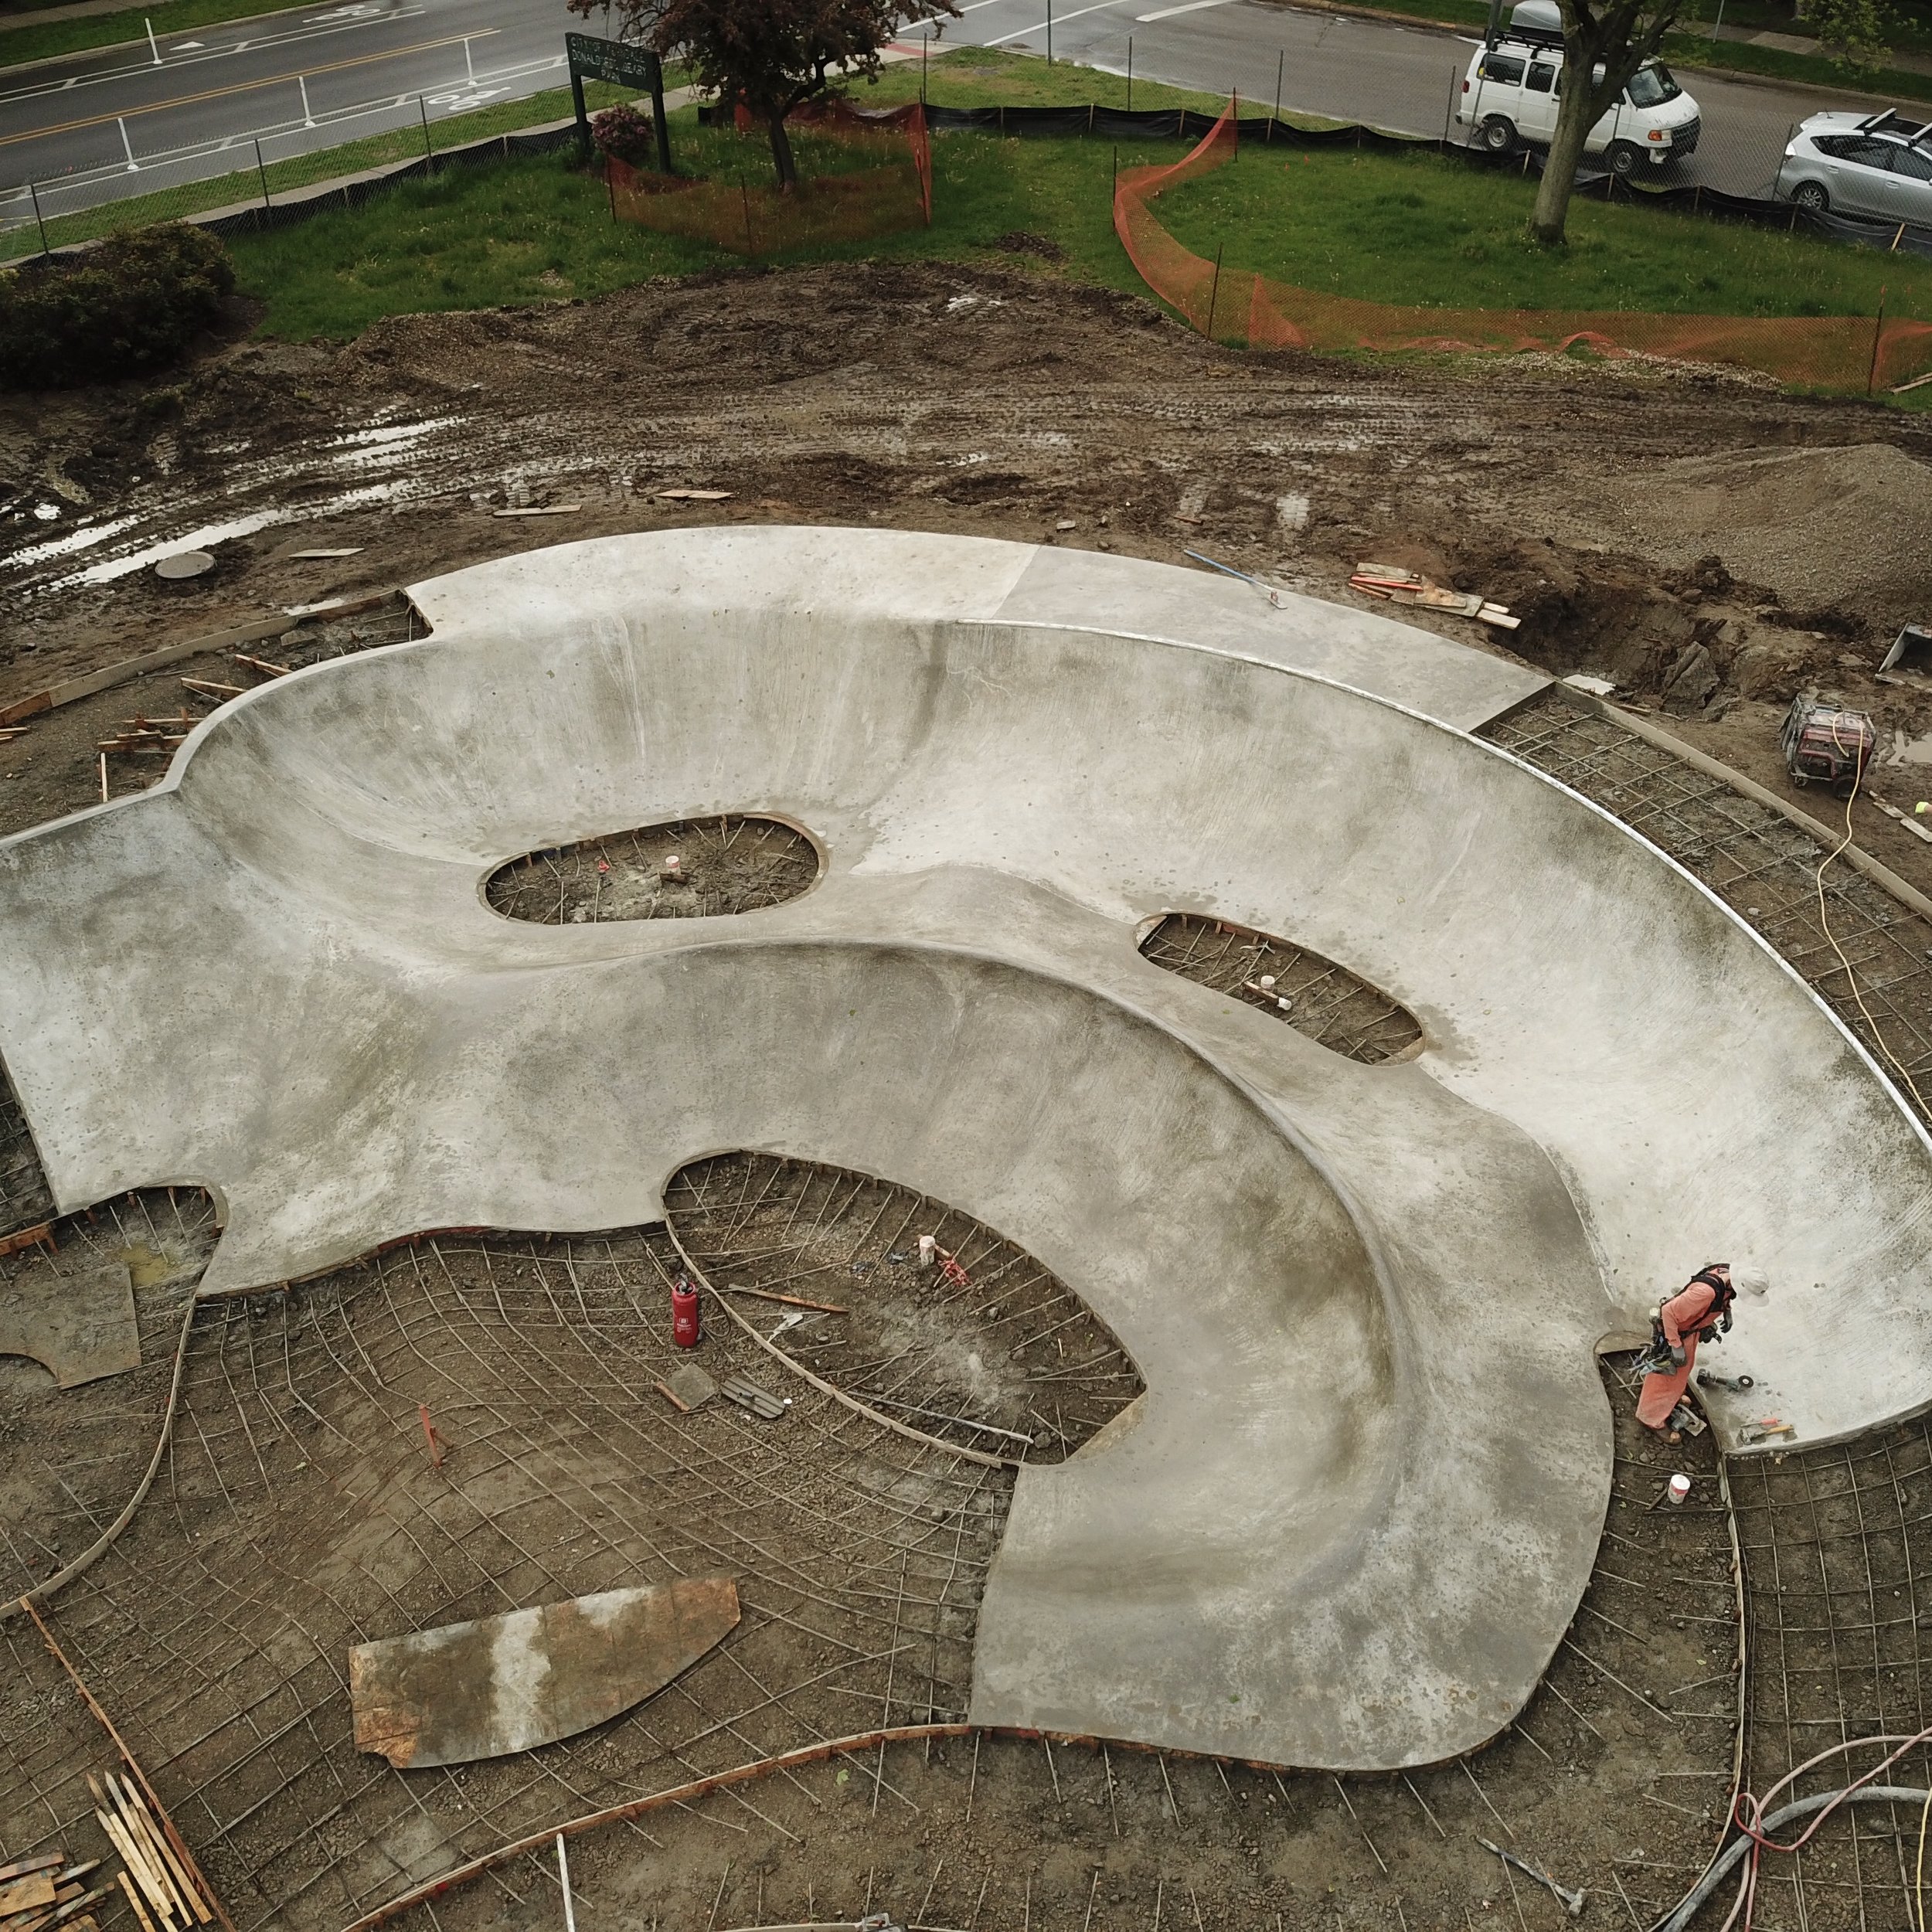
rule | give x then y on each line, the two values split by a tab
772	55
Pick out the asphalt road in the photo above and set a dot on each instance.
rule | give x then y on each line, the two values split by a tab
306	81
350	70
1400	78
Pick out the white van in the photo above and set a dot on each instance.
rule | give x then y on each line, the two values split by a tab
1510	96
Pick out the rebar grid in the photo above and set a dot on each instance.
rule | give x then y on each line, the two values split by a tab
73	1458
26	1200
1763	867
984	1348
1616	1778
1838	1600
727	865
319	637
298	1512
1326	1002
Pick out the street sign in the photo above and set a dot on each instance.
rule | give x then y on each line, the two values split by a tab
622	65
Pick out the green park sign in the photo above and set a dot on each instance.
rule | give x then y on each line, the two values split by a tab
622	65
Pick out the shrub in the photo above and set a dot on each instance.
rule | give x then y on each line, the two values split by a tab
621	132
131	306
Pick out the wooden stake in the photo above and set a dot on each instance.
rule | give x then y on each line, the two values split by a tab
135	1806
148	1793
789	1300
134	1898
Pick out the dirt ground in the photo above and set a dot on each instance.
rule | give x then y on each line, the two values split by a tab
1708	544
299	1510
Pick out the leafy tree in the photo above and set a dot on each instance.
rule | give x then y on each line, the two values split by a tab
772	55
1607	42
1855	33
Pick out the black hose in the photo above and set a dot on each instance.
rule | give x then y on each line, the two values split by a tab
1726	1860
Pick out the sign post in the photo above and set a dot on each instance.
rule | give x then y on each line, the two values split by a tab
623	66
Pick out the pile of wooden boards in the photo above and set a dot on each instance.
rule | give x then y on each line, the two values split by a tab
37	1894
1398	586
150	737
158	1881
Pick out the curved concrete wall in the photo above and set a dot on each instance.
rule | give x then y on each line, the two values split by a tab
1363	1298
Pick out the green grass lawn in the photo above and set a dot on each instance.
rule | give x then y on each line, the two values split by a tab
301	171
1417	228
1427	228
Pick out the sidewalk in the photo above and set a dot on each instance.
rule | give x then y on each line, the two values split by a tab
1797	44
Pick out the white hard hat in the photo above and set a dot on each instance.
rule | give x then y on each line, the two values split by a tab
1750	1281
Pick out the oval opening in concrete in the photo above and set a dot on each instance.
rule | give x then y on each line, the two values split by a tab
979	1344
1332	1005
688	868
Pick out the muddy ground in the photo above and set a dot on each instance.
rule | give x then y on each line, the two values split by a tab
1706	542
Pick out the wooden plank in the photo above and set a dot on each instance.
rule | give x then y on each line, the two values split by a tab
125	673
24	1894
47	1861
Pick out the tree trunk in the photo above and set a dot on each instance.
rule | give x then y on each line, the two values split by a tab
781	151
1574	118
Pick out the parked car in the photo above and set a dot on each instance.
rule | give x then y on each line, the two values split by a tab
1511	95
1875	165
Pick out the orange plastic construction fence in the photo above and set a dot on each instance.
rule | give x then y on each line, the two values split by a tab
895	194
1852	353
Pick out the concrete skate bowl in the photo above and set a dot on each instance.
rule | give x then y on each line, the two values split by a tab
1362	1291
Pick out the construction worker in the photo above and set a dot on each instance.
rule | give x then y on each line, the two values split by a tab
1702	1307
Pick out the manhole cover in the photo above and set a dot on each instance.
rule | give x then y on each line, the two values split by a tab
185	564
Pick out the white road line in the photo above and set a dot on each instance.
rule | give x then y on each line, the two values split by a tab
1061	19
207	53
1167	13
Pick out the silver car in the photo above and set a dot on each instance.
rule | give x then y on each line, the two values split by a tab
1879	165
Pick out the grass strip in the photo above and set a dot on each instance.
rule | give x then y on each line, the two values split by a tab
297	170
1422	228
28	40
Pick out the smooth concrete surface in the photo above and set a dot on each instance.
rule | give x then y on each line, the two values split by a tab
1349	1521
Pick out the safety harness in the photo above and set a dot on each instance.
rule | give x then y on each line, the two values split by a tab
1714	1325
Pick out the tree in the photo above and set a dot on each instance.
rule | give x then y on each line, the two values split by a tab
1854	32
1607	43
772	55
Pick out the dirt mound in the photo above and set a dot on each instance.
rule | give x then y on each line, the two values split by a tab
1826	527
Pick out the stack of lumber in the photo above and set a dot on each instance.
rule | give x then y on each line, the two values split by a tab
145	736
1395	585
39	1893
158	1881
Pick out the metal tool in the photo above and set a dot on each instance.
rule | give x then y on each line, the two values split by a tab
1571	1902
1707	1379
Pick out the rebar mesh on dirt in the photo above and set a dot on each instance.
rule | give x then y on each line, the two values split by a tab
299	1511
690	868
1315	996
26	1200
1838	1568
1615	1778
72	1457
1763	867
981	1346
895	193
1851	352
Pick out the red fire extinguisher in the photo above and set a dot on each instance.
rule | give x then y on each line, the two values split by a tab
685	1328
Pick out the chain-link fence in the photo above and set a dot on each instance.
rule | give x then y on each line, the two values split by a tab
368	143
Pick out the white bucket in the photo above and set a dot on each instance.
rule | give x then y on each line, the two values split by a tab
1679	1487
